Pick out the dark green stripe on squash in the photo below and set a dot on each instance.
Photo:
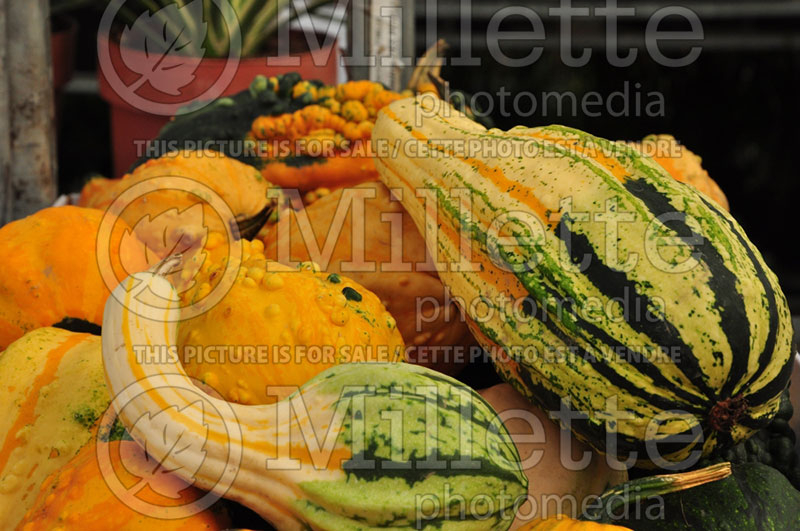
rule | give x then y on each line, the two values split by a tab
615	284
765	357
723	283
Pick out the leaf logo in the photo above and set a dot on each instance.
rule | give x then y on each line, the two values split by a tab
172	45
168	236
171	232
178	440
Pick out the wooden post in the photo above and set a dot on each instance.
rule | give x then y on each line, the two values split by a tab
27	122
5	121
381	41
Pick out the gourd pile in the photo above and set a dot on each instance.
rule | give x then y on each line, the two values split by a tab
529	399
335	127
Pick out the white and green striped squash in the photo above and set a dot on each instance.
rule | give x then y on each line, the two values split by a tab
525	203
359	446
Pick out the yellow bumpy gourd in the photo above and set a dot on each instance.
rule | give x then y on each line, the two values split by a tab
280	326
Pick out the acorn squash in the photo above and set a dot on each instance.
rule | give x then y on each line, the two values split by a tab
755	497
617	503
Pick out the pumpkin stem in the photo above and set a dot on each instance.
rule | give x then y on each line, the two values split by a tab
654	486
429	66
726	413
248	227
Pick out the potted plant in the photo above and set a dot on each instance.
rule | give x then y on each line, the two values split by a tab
156	56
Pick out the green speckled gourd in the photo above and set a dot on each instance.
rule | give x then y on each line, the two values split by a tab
359	446
596	278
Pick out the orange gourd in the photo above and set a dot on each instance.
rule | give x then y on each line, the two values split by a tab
78	497
562	523
332	172
278	326
51	272
414	297
166	188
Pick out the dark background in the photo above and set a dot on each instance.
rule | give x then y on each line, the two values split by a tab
736	106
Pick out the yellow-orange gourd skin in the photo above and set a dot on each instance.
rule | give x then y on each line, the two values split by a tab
295	323
562	523
333	132
239	184
175	202
77	497
53	389
400	288
50	269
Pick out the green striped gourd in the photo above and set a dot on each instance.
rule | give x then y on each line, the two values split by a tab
361	445
533	207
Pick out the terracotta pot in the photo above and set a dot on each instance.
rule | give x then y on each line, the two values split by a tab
63	38
135	122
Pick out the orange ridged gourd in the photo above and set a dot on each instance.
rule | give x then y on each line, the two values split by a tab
51	272
328	140
164	189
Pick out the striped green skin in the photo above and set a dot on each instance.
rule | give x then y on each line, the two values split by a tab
725	321
445	443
